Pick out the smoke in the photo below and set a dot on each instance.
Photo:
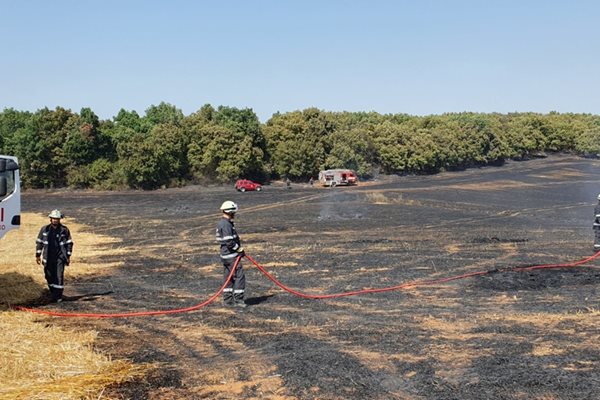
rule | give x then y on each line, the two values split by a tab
340	205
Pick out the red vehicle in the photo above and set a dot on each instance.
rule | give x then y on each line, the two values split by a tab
245	184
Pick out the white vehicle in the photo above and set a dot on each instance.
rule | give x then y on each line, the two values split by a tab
338	177
10	194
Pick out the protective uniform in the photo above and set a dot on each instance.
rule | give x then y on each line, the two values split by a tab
55	246
231	248
597	225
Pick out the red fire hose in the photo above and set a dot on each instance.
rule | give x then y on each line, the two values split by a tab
419	283
313	296
140	313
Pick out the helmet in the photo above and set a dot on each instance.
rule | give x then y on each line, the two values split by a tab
598	196
229	207
55	214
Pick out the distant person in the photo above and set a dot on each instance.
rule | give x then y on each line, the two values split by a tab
311	181
288	183
597	226
231	249
53	250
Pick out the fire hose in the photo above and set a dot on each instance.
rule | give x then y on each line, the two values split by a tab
312	296
139	313
420	283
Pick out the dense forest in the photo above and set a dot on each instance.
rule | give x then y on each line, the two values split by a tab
164	147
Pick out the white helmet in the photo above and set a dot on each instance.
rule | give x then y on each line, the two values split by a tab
229	207
598	196
55	214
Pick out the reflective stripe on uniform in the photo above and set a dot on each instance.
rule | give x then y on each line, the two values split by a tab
225	238
228	290
56	286
238	291
232	255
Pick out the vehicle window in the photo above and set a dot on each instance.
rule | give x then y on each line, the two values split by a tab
10	182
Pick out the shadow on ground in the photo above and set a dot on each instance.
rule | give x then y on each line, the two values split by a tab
501	336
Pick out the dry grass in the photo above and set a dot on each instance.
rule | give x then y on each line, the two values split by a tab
456	340
40	361
378	197
37	359
21	279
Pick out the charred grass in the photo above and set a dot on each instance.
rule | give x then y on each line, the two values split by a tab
505	335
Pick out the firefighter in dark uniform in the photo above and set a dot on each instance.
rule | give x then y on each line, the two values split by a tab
231	249
53	250
597	226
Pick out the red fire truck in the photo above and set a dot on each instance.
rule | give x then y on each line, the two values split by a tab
338	177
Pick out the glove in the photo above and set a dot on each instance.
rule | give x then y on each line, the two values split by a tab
240	251
38	260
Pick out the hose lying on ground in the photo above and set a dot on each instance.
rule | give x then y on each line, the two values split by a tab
310	296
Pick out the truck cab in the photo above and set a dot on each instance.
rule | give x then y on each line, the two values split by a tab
10	194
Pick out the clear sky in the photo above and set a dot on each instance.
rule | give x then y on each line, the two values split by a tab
417	57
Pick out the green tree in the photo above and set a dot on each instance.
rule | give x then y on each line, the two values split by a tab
39	146
353	149
298	142
154	160
588	143
527	134
86	142
11	121
392	145
226	144
164	113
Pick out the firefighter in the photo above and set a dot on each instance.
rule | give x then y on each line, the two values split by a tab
53	250
231	249
597	225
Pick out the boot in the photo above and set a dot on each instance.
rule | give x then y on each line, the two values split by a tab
228	299
56	295
240	304
238	299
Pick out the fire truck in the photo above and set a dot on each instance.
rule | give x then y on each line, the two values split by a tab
336	177
10	194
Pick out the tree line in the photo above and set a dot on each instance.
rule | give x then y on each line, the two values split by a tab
165	148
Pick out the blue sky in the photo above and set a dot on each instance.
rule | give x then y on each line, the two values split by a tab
415	57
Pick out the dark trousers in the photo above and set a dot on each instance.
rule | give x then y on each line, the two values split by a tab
234	291
54	270
597	239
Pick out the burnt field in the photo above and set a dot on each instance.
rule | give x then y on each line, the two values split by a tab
506	335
